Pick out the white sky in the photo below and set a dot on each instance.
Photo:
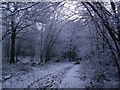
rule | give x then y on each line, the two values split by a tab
69	8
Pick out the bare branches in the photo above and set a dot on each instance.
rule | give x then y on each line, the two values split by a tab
23	28
17	9
5	35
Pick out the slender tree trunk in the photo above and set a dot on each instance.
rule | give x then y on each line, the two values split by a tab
119	43
17	54
47	55
41	58
12	52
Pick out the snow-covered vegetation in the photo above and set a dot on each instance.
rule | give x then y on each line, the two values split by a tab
67	44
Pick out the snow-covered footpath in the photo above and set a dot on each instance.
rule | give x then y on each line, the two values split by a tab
37	74
72	80
60	75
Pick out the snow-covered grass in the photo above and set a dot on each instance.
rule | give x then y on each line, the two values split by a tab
96	75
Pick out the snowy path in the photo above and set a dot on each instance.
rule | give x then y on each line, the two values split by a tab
68	77
57	75
52	80
72	80
40	76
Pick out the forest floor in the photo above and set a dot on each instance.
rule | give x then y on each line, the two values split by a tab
52	75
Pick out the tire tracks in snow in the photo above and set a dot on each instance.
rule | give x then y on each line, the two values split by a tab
52	80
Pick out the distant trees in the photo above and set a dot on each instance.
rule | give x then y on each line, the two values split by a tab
17	16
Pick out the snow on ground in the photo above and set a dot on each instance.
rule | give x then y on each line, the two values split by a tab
62	75
90	71
72	80
86	74
38	72
78	76
52	80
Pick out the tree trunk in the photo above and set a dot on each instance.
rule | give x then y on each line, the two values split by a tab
47	55
119	42
12	52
